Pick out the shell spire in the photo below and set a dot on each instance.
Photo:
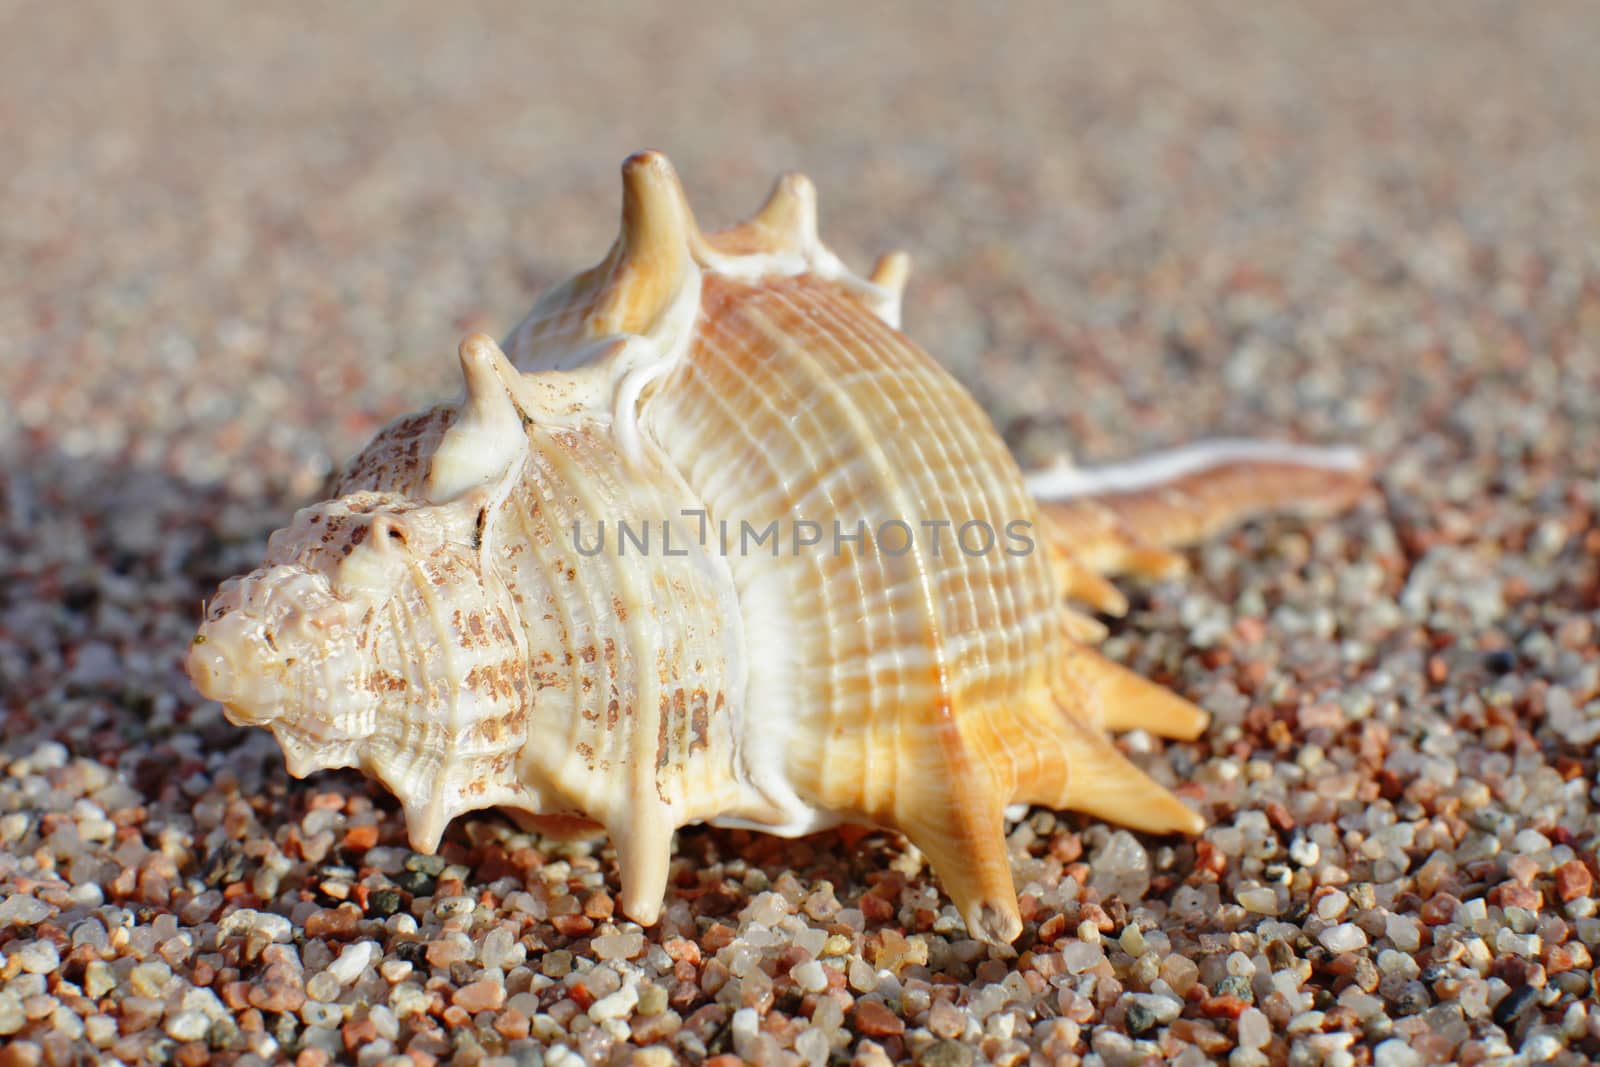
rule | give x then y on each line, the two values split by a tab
486	438
890	273
790	212
651	257
786	223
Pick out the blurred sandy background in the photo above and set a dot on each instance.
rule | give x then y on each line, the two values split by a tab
1178	217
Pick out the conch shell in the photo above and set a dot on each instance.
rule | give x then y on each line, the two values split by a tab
718	543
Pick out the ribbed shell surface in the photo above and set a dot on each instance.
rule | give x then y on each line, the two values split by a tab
859	616
795	406
631	656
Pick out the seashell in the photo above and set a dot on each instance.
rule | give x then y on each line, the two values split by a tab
713	541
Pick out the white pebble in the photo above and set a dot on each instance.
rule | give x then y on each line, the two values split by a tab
1345	937
863	979
811	976
1163	1009
1305	852
352	962
1404	931
1395	1053
812	1045
23	910
1260	900
11	1013
51	755
1401	963
1305	1022
1332	905
615	1005
1541	1046
450	907
746	1024
1079	956
1254	1029
205	1002
618	946
1121	867
407	998
562	1056
501	949
188	1026
39	957
101	1030
248	921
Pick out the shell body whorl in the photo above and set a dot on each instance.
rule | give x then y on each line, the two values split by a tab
714	542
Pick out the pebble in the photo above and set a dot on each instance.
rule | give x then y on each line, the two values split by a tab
483	995
945	1054
187	1026
1079	956
1260	900
875	1020
38	957
621	946
810	976
1345	937
615	1005
249	921
22	910
1254	1029
1121	867
1395	1052
11	1013
353	961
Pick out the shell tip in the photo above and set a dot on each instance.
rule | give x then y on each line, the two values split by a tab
655	212
891	272
479	349
644	854
484	441
790	212
646	164
994	923
425	824
489	377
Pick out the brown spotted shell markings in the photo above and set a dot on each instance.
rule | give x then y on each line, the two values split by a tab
718	543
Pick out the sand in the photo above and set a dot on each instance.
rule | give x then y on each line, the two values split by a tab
235	241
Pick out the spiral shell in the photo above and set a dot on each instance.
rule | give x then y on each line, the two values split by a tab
713	541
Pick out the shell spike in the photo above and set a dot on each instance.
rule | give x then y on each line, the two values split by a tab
967	850
487	436
952	808
650	261
1088	586
643	842
1101	781
1084	629
426	819
888	278
655	212
1118	699
489	376
790	213
890	273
